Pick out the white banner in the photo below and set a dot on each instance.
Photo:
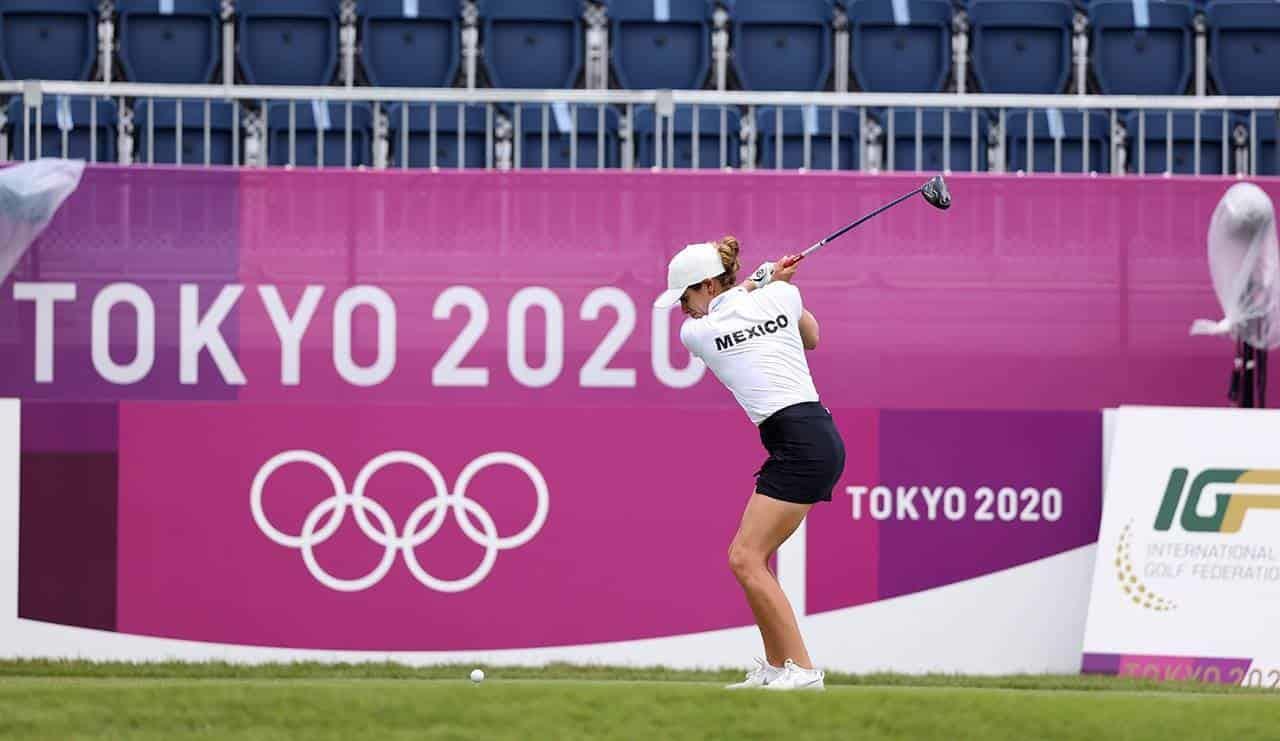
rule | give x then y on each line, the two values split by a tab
1187	580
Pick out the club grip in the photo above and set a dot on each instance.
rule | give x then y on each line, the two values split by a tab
788	262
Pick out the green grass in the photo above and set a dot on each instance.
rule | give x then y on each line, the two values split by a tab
57	668
78	700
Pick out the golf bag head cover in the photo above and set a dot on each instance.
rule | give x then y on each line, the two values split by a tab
29	196
1244	263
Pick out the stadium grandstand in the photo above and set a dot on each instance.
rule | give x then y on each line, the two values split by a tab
1111	86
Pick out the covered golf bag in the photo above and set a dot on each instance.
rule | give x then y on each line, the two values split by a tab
29	195
1244	263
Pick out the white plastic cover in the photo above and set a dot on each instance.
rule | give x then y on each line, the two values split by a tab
1245	266
29	195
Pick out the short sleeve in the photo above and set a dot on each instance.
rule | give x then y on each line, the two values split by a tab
689	335
786	297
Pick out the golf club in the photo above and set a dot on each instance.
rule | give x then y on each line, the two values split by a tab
935	193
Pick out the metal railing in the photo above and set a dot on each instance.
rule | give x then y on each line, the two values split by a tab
651	129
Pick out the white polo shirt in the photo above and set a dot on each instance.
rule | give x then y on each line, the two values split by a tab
751	342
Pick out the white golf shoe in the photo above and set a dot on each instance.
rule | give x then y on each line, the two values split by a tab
758	677
795	678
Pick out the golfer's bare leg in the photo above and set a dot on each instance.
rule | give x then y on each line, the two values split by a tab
766	523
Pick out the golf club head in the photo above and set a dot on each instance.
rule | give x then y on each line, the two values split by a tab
936	193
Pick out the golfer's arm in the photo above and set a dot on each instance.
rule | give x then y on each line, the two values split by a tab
809	330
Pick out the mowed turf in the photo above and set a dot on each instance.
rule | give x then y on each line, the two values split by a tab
436	709
272	706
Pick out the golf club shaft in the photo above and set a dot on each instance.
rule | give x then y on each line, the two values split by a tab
841	231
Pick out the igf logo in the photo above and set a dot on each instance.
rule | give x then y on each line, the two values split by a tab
1237	491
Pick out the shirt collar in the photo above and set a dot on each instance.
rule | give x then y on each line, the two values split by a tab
720	299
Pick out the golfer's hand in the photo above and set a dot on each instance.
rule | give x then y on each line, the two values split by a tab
785	269
761	276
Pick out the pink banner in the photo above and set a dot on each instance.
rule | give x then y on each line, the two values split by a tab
380	527
1030	293
416	411
601	538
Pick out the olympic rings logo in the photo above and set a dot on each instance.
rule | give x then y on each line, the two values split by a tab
384	533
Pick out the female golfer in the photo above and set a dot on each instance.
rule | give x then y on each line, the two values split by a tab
753	337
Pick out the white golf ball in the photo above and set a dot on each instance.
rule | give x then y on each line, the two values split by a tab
477	676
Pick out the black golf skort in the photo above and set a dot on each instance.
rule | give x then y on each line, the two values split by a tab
806	454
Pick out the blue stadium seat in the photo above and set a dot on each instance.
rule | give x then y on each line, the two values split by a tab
1155	156
933	138
1020	46
655	50
1069	126
900	52
81	132
782	45
48	39
410	50
560	139
1140	47
532	43
176	42
164	125
288	42
1244	44
818	122
307	134
708	140
473	128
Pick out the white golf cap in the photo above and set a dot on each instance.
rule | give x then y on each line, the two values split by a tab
691	265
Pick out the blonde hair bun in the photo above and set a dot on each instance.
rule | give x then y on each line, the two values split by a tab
728	248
